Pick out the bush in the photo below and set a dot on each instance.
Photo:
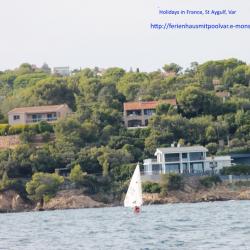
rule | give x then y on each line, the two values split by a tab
46	136
4	129
170	182
151	187
17	129
77	175
14	184
43	186
236	170
210	181
26	136
44	126
212	148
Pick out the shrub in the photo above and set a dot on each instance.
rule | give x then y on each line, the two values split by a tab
242	183
46	136
32	127
44	126
43	186
77	175
210	181
212	148
236	170
17	129
14	184
170	182
151	187
26	136
4	129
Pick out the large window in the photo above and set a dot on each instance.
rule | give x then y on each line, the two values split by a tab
185	168
51	117
172	157
133	112
197	156
197	168
134	123
149	111
156	168
172	168
36	118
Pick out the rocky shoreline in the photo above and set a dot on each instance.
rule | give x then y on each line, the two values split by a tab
10	201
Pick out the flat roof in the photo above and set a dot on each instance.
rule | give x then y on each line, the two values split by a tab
37	109
171	150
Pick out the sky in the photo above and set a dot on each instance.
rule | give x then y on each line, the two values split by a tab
89	33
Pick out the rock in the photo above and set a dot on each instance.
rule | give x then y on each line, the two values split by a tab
244	195
10	201
71	199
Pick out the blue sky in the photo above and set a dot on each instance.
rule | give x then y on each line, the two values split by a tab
88	33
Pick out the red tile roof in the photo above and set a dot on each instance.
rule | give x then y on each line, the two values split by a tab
37	109
147	105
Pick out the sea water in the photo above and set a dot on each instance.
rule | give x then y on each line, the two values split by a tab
215	225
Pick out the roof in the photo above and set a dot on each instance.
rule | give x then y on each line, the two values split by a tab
181	149
38	109
147	105
222	94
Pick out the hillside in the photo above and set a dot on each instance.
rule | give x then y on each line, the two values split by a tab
213	109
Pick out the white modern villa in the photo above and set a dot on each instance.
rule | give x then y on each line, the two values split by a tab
184	160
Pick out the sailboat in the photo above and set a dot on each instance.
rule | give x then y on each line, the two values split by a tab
133	197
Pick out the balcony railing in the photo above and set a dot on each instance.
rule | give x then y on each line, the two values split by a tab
201	158
41	119
172	159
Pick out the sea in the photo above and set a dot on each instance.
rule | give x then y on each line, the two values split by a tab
194	226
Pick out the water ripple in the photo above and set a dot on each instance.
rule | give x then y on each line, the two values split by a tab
199	226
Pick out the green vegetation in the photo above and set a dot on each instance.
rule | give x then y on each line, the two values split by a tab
77	175
43	186
171	182
151	187
241	184
210	181
95	137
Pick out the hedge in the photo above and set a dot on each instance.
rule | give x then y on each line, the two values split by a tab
4	129
41	127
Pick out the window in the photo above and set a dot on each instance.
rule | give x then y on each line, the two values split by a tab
149	111
16	117
196	156
172	168
51	117
184	156
172	157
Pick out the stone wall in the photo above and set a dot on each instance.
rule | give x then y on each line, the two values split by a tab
9	141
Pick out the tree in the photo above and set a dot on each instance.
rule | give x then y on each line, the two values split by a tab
172	67
53	90
194	101
77	175
43	186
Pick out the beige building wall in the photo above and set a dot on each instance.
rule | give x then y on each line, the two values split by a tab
22	119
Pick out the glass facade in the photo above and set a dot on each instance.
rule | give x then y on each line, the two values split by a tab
172	168
196	156
149	111
134	112
197	167
172	157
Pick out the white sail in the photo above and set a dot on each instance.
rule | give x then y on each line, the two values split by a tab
134	194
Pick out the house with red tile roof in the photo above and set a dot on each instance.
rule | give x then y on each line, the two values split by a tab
30	115
136	114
